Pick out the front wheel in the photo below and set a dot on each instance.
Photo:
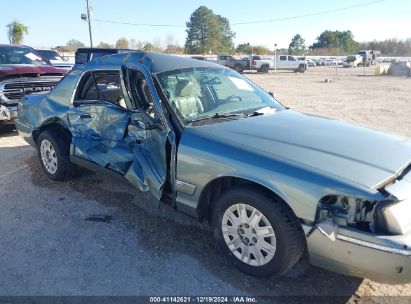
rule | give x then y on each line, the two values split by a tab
53	151
258	233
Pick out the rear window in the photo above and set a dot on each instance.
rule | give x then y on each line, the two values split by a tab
95	55
81	57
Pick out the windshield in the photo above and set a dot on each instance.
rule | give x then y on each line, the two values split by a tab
200	93
50	55
20	55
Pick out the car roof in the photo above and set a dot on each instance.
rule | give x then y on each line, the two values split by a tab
14	46
155	62
46	50
102	50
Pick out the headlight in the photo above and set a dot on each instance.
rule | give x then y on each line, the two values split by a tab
2	97
383	217
393	217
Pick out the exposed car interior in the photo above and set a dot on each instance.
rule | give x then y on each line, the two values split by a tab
103	86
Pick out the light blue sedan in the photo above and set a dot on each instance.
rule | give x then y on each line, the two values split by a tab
271	181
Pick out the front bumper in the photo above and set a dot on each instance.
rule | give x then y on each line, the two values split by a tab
380	258
8	113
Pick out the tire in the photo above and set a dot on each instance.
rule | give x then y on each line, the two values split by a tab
265	68
238	68
288	238
53	150
301	69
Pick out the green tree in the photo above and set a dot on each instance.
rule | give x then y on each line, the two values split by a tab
149	47
122	43
244	48
16	32
260	50
224	39
336	39
297	45
208	32
104	45
74	44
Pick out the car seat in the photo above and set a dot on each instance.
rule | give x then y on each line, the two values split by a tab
186	98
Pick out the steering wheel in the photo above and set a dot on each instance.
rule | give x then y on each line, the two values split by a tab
233	98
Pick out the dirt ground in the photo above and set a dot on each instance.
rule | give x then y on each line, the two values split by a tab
353	94
47	248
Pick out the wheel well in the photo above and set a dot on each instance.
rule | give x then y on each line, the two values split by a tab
215	188
56	127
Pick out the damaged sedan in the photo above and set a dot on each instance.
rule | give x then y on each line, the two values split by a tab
272	182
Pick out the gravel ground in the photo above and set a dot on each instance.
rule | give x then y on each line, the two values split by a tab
47	247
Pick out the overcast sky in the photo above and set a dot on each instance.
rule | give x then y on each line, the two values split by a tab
54	22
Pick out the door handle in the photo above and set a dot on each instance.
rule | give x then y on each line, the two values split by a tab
85	116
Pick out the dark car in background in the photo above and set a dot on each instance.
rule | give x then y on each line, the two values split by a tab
23	71
56	59
84	55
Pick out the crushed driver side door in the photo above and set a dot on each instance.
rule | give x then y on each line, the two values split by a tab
147	131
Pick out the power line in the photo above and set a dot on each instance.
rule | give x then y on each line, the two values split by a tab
310	14
138	24
251	22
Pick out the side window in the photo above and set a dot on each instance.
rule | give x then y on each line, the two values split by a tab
141	93
284	58
101	86
291	58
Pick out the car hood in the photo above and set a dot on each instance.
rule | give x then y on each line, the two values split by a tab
22	69
361	155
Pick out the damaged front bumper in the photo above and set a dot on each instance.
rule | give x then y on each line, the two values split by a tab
8	113
349	251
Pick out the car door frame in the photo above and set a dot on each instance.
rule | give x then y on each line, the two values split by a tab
169	134
75	109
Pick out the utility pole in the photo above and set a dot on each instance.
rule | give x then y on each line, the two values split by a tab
89	22
275	57
87	18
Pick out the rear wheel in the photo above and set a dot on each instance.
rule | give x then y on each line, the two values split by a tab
53	151
265	68
238	68
258	233
301	69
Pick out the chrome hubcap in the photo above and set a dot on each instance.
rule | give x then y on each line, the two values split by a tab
48	156
248	234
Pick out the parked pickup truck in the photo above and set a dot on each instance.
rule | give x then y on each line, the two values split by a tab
353	61
23	71
239	65
282	62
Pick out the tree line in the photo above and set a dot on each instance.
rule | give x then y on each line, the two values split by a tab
210	33
343	43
